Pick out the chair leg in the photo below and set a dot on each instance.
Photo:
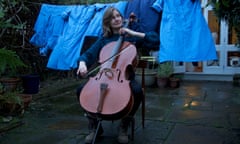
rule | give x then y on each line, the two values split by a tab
143	111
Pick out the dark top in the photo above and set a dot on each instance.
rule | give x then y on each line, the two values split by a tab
92	54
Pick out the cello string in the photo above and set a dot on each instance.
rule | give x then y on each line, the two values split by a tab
97	67
114	52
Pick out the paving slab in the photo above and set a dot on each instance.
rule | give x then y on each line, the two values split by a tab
195	134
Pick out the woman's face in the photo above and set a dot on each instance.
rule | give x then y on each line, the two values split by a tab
116	21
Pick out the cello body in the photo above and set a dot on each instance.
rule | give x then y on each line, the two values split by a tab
108	93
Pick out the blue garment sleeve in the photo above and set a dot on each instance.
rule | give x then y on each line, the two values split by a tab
158	5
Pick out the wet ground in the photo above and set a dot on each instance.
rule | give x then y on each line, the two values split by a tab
198	112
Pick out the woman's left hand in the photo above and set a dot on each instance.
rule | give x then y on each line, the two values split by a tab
127	31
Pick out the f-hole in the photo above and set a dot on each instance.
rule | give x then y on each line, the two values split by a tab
129	73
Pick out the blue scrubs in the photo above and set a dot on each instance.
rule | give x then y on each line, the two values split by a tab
184	33
68	44
48	28
94	28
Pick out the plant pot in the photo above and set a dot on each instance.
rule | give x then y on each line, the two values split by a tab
150	77
30	84
26	98
174	82
10	109
10	84
236	79
162	82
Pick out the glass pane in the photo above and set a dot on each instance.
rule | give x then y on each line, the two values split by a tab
194	66
233	59
214	62
232	36
178	63
214	26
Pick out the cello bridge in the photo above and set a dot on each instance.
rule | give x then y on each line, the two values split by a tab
109	73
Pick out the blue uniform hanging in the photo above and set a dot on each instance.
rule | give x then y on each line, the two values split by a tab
68	44
48	28
184	33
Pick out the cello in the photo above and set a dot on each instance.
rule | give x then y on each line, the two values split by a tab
108	93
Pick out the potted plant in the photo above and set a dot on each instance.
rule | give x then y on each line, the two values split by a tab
10	104
2	89
13	102
9	64
174	80
164	71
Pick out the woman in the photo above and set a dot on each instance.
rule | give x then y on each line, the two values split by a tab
112	29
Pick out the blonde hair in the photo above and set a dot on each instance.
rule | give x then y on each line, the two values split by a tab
107	17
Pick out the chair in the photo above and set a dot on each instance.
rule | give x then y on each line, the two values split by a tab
141	64
88	41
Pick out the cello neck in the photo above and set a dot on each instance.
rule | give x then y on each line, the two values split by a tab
119	42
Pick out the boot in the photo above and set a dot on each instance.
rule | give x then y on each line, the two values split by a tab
92	126
89	138
123	130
